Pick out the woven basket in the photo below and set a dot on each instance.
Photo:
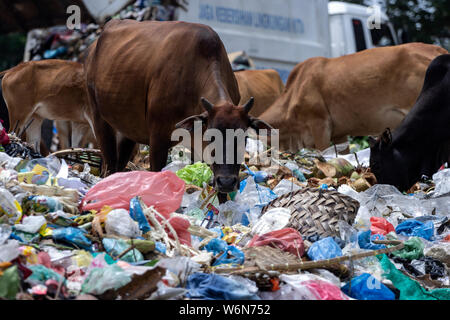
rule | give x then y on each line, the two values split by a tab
316	210
93	157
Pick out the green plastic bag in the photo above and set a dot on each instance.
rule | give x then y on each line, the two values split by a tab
100	280
9	283
195	174
413	249
409	289
42	274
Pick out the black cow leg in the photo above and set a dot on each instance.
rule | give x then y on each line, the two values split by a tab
159	150
125	149
106	138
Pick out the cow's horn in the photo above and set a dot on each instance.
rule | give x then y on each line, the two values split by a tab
206	104
248	106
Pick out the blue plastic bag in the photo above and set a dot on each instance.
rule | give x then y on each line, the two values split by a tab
323	249
214	287
160	247
367	287
365	240
115	247
414	228
137	214
73	236
216	246
237	257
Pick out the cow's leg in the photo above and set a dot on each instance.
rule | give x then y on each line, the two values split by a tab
64	129
106	138
321	133
159	149
33	133
125	149
79	132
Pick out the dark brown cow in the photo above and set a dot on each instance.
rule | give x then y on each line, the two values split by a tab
144	78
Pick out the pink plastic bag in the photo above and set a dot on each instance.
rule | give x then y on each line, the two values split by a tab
163	190
324	290
286	239
380	226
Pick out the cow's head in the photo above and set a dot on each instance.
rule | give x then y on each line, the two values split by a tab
386	162
221	117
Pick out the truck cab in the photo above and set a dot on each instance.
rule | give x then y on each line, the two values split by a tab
353	28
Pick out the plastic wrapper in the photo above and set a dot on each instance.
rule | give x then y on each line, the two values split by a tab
323	249
50	164
287	239
231	213
32	224
137	214
285	186
380	226
367	287
183	267
10	207
9	283
215	287
196	174
439	251
410	289
115	247
5	232
365	240
72	236
416	228
274	219
163	190
100	280
10	162
176	165
9	251
252	194
118	222
413	249
42	204
231	256
164	292
442	181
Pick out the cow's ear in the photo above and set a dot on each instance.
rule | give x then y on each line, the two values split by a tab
386	137
258	124
372	141
188	123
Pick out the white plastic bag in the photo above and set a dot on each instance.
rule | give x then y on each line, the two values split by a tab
272	220
118	222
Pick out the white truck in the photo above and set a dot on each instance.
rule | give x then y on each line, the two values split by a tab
279	34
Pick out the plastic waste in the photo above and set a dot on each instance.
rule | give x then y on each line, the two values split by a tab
274	219
323	249
215	287
10	162
5	232
428	265
183	267
115	247
381	226
42	204
137	214
367	287
72	236
118	222
216	246
32	224
252	194
413	249
10	206
410	289
232	255
416	228
196	174
163	190
9	283
365	239
41	274
286	239
231	213
100	280
285	186
439	251
9	251
442	181
175	166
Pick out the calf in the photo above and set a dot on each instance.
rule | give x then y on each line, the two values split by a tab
421	144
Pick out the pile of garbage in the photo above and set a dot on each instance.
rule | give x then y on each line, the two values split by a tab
59	42
68	234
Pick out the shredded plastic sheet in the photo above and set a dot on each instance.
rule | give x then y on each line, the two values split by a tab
410	289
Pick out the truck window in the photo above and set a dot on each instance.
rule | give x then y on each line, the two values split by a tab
360	39
382	37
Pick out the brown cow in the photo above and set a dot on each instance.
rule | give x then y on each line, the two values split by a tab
360	94
47	89
144	78
265	86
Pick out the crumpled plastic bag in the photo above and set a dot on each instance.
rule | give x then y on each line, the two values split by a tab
31	224
410	289
41	274
412	227
10	206
9	251
9	283
286	239
285	186
413	249
118	222
216	246
163	190
381	226
5	232
324	249
442	181
114	247
215	287
367	287
439	251
196	174
365	239
100	280
427	265
73	236
137	214
232	256
274	219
